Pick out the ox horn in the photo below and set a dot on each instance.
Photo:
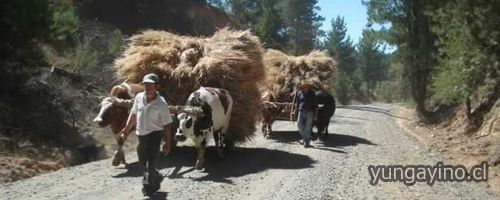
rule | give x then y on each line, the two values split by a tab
101	97
190	110
268	104
127	103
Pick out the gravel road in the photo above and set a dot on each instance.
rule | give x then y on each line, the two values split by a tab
335	168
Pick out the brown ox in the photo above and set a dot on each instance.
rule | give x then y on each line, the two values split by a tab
271	111
114	112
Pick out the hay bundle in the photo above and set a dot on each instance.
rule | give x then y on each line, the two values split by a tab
229	59
285	73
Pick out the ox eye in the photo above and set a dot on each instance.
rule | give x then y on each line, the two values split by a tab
189	123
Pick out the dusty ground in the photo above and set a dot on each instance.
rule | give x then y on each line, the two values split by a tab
449	142
336	168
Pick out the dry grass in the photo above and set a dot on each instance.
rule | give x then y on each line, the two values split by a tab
285	73
229	59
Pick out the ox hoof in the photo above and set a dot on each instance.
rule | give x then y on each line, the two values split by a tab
267	137
115	162
118	158
199	165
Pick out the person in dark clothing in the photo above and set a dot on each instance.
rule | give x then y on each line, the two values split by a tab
151	114
306	106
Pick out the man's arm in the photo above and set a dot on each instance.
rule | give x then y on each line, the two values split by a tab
132	119
167	130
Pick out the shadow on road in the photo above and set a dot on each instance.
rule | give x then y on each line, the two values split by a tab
238	162
371	109
341	140
330	140
133	170
159	196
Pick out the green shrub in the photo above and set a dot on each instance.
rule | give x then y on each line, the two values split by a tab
115	42
342	88
65	22
387	91
81	57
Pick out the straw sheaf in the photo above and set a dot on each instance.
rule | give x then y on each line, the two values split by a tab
229	59
285	73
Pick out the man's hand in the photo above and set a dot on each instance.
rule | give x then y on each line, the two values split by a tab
123	137
166	147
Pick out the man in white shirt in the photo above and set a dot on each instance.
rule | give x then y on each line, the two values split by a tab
151	114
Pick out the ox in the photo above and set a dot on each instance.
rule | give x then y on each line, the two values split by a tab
114	112
216	106
325	111
270	113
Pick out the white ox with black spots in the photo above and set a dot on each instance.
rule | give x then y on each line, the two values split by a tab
216	105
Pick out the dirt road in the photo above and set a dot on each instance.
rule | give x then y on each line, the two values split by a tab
335	168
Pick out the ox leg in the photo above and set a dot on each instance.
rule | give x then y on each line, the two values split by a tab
264	129
269	130
200	149
226	141
219	143
119	155
326	127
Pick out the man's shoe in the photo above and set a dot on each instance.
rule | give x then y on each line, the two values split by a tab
155	188
147	191
160	180
307	145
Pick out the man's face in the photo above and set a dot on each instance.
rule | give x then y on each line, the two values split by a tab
306	87
151	88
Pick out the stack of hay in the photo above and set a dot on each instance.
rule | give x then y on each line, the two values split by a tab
229	59
285	73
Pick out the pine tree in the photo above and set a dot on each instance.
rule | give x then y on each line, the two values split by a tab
269	25
243	10
340	47
302	24
374	63
410	32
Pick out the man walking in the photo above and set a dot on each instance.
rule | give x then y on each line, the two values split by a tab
151	114
307	108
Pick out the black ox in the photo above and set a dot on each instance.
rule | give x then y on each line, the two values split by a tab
325	111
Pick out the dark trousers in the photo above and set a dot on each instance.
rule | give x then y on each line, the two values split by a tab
148	152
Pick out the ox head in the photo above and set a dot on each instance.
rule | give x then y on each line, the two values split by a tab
186	126
112	110
193	122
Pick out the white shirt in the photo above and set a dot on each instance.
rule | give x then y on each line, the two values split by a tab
150	117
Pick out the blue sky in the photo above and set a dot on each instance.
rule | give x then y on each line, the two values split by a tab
353	11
